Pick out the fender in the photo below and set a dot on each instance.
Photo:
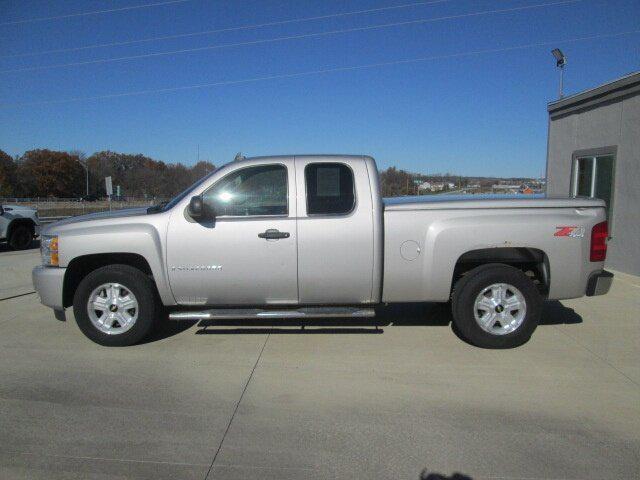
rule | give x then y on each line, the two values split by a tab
139	238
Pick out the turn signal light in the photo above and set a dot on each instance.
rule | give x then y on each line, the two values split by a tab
49	250
599	235
54	251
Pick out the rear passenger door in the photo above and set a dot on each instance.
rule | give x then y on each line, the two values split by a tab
335	231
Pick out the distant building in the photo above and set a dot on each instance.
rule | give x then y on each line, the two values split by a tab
594	151
432	186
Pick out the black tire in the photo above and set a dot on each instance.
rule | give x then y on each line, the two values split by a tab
135	281
472	284
21	237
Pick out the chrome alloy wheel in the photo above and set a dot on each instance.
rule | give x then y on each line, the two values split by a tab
500	309
112	308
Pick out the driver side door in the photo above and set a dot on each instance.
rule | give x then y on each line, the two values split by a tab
248	255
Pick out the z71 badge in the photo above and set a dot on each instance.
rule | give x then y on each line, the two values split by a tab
569	231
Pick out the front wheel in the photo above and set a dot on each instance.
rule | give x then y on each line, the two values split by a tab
21	237
115	305
496	306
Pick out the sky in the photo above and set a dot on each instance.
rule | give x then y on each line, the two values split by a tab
457	86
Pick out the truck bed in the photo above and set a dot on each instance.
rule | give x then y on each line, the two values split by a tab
424	237
446	202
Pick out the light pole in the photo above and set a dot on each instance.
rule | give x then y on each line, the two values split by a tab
561	61
86	170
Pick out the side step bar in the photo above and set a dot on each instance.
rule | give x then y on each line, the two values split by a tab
254	313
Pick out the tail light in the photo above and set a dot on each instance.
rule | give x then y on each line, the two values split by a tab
599	234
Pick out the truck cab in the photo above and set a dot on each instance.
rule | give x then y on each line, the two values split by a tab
280	231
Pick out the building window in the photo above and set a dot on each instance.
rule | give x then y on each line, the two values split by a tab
593	177
330	189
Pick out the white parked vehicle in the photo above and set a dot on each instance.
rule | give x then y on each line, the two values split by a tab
18	226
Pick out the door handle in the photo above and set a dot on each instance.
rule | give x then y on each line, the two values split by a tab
273	234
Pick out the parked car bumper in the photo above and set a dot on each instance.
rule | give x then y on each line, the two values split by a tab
599	283
48	283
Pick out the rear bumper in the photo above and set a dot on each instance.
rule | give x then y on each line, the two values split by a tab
599	283
48	283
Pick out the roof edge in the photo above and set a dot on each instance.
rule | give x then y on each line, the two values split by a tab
607	91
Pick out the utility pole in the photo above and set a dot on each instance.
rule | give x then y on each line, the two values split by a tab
83	161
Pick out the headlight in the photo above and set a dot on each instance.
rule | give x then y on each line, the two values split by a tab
49	250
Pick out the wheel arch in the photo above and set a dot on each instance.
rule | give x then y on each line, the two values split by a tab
81	266
533	262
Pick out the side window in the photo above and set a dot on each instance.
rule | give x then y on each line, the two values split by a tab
330	188
252	191
593	177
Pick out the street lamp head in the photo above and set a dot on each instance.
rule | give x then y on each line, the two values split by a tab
561	60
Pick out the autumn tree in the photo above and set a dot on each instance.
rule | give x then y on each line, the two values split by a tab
395	183
141	176
47	173
7	175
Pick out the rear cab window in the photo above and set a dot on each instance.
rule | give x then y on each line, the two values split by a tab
330	189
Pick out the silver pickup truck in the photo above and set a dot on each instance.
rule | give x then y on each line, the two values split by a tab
310	237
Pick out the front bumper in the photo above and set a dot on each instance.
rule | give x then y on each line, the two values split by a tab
48	283
599	283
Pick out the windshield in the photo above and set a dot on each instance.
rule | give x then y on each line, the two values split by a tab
164	206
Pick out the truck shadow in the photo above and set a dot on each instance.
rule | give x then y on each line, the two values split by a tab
437	476
35	245
400	315
555	313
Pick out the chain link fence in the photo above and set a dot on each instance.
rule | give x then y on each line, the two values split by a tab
69	207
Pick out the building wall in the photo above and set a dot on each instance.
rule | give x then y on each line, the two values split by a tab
613	124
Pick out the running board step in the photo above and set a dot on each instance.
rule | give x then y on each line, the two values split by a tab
253	313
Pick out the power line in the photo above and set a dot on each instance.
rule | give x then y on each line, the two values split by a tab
289	37
95	12
319	71
227	29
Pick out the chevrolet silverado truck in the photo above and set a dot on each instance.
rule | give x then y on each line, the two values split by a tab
310	237
18	226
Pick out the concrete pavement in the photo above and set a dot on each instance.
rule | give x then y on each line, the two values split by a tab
15	270
243	401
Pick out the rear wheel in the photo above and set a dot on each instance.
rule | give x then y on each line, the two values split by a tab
21	237
496	306
115	305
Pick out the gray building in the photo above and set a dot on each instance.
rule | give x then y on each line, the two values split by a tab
594	150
